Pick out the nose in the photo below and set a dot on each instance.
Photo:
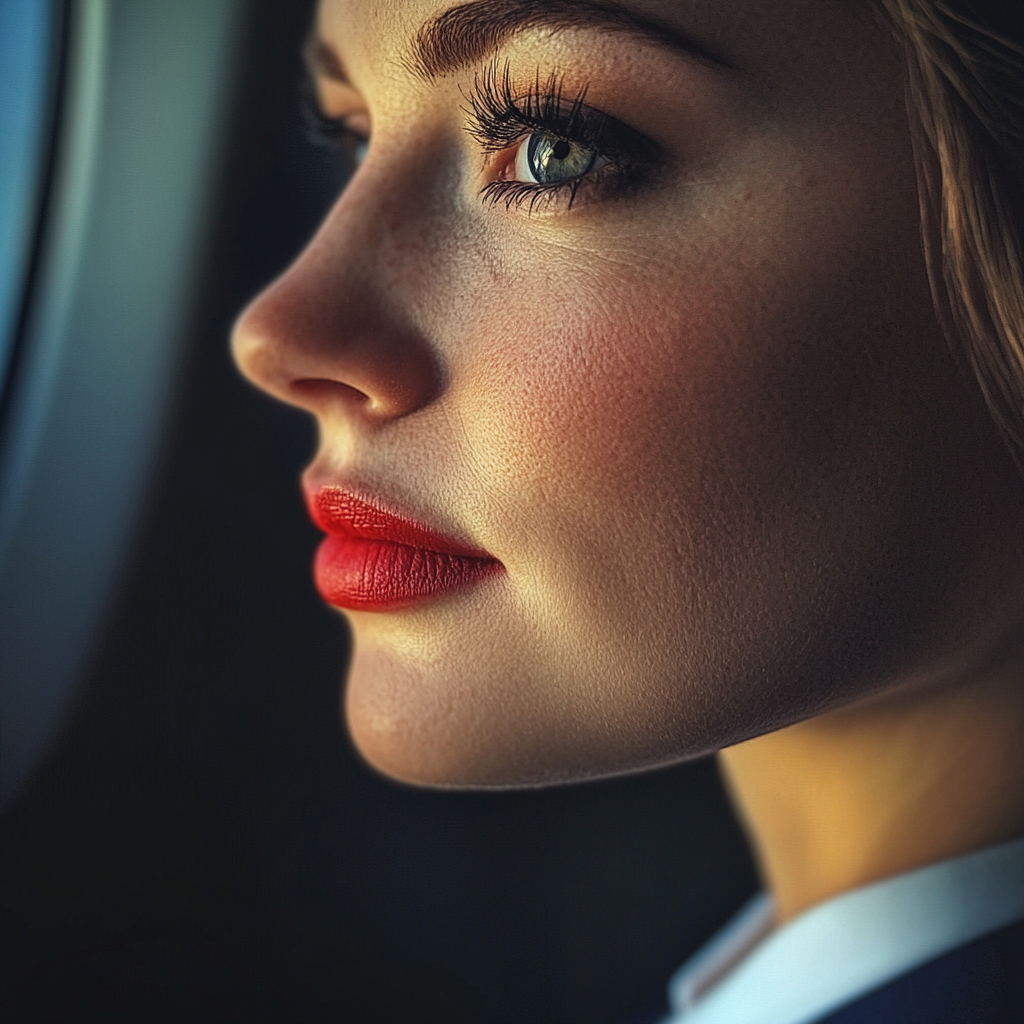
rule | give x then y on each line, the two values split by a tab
335	334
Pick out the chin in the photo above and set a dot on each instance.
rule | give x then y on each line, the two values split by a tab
442	724
398	725
410	739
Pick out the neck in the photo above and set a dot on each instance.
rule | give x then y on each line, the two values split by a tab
881	787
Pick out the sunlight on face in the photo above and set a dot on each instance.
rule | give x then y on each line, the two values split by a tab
638	433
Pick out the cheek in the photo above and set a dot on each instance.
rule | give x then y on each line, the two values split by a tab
690	475
610	433
608	411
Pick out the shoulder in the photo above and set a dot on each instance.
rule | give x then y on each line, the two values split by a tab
981	982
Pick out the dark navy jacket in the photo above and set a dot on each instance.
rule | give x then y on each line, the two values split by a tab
980	983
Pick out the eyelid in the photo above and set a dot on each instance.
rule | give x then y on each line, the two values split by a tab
337	101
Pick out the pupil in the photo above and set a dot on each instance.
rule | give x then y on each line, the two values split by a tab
561	150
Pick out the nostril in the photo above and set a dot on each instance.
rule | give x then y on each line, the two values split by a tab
318	389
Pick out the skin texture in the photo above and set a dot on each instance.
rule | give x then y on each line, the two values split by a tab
710	427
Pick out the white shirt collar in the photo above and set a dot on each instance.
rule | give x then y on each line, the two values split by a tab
844	947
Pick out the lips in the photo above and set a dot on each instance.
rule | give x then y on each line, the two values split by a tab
373	559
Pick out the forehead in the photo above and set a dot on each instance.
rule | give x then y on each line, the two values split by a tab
765	37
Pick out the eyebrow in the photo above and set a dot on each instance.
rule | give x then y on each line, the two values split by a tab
464	35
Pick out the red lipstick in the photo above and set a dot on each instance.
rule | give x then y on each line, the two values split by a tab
373	559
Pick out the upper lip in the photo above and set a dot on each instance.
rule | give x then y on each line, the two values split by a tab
342	512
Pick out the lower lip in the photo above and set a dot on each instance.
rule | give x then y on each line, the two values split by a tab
373	575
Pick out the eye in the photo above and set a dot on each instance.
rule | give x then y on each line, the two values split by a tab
549	148
350	135
546	159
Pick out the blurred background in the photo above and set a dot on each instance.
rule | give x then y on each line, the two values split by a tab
196	839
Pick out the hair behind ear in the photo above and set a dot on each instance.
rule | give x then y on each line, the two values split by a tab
966	95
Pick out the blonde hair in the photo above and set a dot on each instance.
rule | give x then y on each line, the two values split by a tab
966	93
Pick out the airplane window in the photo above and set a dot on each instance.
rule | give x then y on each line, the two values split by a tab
99	326
25	75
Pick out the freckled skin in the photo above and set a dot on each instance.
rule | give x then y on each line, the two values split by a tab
711	430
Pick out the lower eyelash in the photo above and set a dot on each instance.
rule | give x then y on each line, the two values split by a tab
518	193
606	183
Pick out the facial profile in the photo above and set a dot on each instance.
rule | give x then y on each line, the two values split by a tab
639	434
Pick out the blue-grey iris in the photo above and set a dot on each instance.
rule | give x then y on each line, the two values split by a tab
552	160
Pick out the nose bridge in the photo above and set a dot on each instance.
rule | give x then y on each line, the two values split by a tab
339	329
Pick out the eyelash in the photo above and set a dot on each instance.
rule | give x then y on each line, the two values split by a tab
499	119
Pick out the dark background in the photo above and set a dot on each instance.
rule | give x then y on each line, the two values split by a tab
202	843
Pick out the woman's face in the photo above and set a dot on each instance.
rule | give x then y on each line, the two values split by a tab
630	299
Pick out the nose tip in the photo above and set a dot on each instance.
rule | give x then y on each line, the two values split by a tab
329	346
